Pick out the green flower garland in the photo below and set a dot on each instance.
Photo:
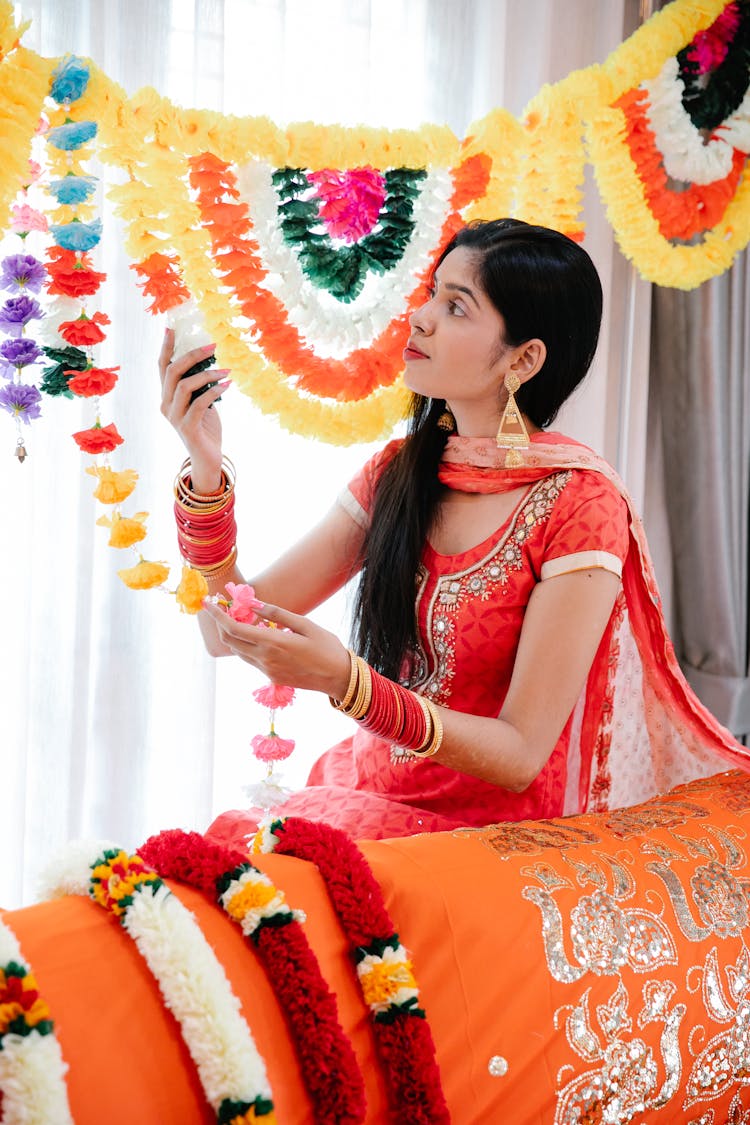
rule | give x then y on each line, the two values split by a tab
342	270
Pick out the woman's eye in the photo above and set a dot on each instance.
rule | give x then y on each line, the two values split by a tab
455	309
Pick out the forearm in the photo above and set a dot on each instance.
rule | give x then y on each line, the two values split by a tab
492	750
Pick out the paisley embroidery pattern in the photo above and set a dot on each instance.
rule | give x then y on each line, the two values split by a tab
645	947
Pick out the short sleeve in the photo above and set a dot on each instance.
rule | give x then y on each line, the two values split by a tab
588	527
357	498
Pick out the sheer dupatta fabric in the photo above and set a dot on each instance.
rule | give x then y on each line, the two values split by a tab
638	728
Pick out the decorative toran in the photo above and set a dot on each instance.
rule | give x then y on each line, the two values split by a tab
302	252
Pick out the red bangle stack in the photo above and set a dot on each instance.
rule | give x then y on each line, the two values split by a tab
206	528
391	711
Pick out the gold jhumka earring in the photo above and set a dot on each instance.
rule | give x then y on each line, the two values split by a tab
512	433
446	421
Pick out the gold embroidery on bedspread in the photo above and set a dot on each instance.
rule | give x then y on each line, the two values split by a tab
645	947
529	837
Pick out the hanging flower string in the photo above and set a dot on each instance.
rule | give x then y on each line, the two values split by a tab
32	1069
251	901
240	604
190	978
22	276
383	966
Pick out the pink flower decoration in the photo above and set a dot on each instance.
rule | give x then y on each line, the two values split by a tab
274	696
25	219
709	48
271	748
350	201
35	171
244	602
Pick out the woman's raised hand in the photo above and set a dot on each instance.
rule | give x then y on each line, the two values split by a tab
197	424
296	652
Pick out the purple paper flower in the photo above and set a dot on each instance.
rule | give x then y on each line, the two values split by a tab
22	270
16	313
20	352
21	400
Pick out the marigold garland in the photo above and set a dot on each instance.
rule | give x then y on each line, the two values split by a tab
329	1068
383	967
680	214
32	1069
189	976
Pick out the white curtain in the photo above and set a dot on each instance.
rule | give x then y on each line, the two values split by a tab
116	724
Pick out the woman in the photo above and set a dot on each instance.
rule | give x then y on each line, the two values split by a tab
535	677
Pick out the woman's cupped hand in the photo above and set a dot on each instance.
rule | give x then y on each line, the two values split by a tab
288	648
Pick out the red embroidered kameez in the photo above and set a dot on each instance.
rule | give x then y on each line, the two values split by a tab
637	728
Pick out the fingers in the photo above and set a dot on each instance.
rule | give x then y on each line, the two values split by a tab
166	353
285	620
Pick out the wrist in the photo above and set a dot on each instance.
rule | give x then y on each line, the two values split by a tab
341	678
205	476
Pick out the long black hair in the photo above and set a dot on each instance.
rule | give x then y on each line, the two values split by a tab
545	287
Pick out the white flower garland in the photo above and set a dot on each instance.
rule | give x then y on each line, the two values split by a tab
685	154
190	978
32	1069
331	328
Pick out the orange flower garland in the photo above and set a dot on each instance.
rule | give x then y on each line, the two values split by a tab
681	214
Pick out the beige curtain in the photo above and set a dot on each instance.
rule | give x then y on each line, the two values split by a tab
116	723
701	372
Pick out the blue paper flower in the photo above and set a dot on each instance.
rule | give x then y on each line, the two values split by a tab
69	79
73	189
77	235
72	135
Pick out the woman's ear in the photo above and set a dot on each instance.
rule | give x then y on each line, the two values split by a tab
527	359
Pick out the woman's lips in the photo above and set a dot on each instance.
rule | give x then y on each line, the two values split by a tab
410	352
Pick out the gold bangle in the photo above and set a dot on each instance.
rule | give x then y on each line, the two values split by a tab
434	738
220	569
363	696
206	501
359	705
342	704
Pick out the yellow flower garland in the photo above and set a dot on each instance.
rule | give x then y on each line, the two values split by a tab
637	231
537	167
24	84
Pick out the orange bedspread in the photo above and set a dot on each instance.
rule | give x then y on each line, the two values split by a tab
591	969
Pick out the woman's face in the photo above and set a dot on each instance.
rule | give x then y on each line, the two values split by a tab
455	350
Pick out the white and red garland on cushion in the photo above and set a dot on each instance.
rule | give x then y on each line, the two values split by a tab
383	966
195	988
32	1069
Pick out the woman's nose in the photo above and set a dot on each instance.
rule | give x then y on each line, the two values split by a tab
420	320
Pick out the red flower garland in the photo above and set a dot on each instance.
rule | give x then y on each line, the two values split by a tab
402	1034
328	1064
